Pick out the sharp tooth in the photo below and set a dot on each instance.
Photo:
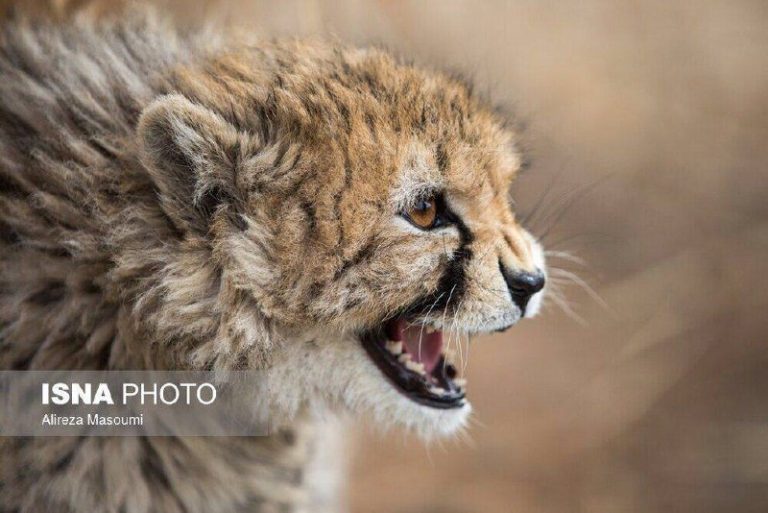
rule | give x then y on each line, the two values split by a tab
396	348
460	382
438	391
430	329
415	366
404	358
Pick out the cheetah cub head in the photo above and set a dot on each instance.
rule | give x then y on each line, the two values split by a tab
358	211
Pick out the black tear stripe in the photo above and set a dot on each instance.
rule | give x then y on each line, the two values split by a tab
452	284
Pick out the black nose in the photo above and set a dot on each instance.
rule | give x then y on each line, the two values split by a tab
522	285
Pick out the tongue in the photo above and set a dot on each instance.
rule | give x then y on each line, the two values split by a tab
423	347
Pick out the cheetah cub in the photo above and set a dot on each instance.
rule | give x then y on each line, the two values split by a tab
329	215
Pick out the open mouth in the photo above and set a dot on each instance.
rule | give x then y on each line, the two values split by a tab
412	356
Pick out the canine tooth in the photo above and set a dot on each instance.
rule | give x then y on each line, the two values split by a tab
396	348
438	390
404	358
460	382
415	366
430	330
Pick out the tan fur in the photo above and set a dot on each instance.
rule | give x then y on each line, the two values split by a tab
169	202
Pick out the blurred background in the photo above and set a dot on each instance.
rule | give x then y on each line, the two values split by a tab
646	388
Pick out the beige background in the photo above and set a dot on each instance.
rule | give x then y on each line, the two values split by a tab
648	125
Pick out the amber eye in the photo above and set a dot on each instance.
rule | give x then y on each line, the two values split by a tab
423	214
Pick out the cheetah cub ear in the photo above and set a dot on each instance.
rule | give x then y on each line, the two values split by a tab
191	154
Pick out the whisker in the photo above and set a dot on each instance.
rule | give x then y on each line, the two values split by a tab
569	200
454	329
565	307
442	320
565	255
531	216
466	363
574	278
421	332
447	304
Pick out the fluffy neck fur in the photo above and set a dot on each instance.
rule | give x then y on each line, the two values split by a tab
94	275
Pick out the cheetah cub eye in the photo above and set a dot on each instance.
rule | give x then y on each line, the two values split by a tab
426	213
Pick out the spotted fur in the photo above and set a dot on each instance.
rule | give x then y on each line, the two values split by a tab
172	202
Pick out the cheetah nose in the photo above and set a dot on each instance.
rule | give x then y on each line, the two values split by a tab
522	285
